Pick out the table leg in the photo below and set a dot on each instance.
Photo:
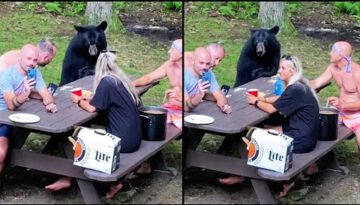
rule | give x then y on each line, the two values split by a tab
87	188
191	140
158	164
263	192
19	137
331	163
88	192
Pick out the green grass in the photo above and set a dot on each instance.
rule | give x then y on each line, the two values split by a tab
136	55
200	30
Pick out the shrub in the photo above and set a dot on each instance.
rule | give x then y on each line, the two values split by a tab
173	5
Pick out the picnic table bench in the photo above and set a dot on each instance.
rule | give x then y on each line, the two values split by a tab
60	125
233	126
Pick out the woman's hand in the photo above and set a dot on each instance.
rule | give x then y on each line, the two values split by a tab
75	98
251	99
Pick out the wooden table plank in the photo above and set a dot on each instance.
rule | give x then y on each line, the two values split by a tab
68	115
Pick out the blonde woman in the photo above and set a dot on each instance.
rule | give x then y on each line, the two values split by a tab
114	96
300	107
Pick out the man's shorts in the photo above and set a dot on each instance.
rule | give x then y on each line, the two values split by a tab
5	130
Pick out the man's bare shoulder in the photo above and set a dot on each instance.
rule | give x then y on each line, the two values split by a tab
356	70
10	54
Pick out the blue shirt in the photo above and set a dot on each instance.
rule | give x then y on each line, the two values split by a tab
191	83
11	80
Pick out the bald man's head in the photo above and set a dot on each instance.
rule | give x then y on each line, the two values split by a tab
217	53
345	47
175	51
29	56
202	60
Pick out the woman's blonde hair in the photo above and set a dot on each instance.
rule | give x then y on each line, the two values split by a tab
296	66
106	66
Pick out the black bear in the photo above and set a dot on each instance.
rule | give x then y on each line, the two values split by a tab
260	56
83	51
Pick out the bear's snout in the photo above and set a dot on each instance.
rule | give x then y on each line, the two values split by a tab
260	49
93	50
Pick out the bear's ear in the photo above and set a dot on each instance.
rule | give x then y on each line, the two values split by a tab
79	28
102	26
274	30
252	31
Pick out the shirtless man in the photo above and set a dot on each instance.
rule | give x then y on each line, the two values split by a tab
172	68
346	74
195	89
217	53
47	51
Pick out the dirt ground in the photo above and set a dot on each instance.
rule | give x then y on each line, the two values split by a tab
201	187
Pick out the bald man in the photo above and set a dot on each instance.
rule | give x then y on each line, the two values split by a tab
346	74
172	68
196	89
15	89
47	51
217	53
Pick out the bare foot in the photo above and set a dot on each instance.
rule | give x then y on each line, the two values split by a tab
312	169
144	168
286	189
114	189
62	183
235	179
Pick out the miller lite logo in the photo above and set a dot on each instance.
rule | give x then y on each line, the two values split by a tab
80	152
254	151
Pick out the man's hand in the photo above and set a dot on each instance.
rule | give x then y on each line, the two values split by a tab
226	108
29	85
334	101
203	87
51	108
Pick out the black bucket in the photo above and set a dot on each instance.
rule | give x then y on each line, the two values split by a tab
328	124
153	123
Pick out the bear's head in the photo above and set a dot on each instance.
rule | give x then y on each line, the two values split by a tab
262	38
93	37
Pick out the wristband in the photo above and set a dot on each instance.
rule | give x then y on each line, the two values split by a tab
256	103
79	102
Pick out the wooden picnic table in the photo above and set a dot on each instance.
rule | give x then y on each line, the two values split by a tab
59	126
234	126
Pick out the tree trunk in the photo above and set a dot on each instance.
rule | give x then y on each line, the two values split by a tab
271	13
96	12
274	13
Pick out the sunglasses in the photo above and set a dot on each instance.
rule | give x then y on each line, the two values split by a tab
111	51
289	58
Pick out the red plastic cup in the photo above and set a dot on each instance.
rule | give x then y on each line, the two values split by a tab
77	91
253	92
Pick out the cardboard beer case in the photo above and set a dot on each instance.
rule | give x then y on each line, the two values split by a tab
96	149
270	150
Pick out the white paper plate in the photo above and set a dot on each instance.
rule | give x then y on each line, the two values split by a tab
199	119
24	118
